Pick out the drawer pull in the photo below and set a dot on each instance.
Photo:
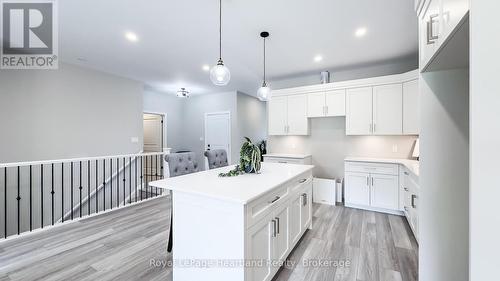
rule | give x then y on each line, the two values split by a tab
304	199
413	197
430	32
405	188
274	228
283	162
302	180
278	223
274	200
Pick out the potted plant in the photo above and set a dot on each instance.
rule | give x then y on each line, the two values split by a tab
250	160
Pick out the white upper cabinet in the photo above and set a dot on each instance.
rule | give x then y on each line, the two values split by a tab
298	124
440	21
288	115
335	103
388	110
326	104
316	104
411	108
359	111
277	116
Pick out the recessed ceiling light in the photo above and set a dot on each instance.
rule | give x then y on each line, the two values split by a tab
360	32
318	58
132	37
206	67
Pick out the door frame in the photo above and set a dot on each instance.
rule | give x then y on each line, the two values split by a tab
163	129
228	113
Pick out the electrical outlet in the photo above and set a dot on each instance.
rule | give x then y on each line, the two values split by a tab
134	140
394	148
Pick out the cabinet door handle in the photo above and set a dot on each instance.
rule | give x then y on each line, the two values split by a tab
368	181
302	180
372	181
278	223
371	128
374	127
274	228
430	30
274	200
413	197
406	173
304	199
326	110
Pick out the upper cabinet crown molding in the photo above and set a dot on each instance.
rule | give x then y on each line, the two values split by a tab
373	81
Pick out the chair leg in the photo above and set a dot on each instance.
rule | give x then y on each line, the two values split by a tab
170	236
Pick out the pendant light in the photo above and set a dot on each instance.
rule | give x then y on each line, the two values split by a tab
219	74
264	92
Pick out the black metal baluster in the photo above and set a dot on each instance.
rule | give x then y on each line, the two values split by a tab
135	182
111	181
96	186
104	184
80	188
62	192
130	179
124	181
142	174
72	185
31	198
117	182
18	200
88	188
5	199
41	195
147	173
52	191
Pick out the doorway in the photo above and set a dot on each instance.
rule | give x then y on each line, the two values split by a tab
153	132
218	132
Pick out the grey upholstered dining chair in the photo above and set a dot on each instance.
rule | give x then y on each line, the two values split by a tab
216	158
179	164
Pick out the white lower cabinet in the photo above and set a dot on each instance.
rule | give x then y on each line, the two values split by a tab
410	188
372	186
271	239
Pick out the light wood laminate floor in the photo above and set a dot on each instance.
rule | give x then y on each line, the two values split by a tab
124	244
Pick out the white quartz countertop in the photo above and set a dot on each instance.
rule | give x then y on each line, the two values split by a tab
287	155
240	189
412	165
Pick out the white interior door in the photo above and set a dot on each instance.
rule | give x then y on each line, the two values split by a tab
153	132
218	132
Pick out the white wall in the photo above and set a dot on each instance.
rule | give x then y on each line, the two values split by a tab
484	140
252	119
65	113
329	146
444	176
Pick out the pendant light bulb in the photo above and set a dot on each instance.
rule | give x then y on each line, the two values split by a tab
220	74
264	92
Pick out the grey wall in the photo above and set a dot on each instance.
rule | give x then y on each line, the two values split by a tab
252	119
444	176
484	140
329	146
193	121
173	108
353	72
66	113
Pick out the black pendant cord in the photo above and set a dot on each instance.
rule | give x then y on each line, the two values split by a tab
220	30
264	61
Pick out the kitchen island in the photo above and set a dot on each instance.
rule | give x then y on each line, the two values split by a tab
238	228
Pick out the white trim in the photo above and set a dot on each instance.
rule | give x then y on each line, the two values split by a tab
58	161
366	82
164	114
230	134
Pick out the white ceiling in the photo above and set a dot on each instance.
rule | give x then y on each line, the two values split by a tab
177	37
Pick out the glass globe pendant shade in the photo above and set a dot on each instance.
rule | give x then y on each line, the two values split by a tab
264	92
219	74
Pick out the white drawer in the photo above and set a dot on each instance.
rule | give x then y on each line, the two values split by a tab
298	184
260	207
283	160
373	168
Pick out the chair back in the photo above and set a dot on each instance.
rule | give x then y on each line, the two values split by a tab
216	158
181	163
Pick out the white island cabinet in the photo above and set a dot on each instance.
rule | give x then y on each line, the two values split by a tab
238	228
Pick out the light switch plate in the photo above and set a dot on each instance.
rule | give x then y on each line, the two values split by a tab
394	148
134	139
